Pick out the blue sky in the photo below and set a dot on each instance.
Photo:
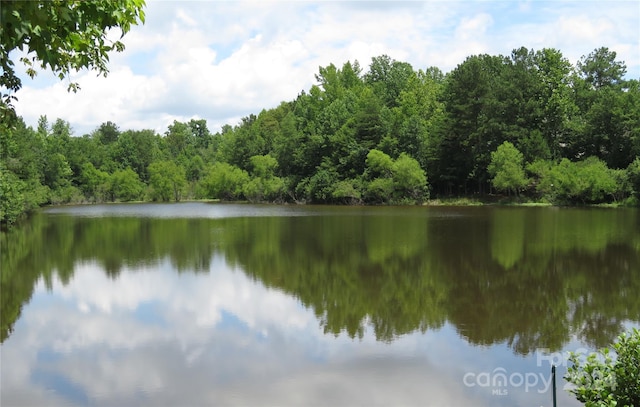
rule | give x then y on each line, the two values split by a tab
223	60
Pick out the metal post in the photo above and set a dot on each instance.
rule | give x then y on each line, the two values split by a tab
553	378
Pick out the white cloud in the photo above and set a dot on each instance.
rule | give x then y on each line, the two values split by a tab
185	18
122	98
583	28
474	27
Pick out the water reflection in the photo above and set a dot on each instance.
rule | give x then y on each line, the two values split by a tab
145	310
531	277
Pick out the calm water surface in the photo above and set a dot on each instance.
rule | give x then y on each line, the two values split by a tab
219	304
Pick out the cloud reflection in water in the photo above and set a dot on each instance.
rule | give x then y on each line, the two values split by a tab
156	337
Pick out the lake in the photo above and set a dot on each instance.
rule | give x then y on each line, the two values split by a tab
234	304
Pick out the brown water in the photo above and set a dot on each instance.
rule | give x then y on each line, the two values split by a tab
218	304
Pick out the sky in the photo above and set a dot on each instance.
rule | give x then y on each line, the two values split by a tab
224	60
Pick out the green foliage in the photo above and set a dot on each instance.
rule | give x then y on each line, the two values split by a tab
62	36
322	184
57	171
601	380
195	168
379	190
167	181
265	186
627	368
136	149
402	179
126	185
409	180
223	181
507	168
263	166
21	171
107	133
633	174
95	183
347	192
378	163
179	139
600	68
358	137
264	189
11	197
587	181
65	194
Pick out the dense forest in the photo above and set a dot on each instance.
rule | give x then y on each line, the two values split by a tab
529	126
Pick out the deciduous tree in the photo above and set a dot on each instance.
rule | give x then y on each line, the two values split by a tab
63	36
507	168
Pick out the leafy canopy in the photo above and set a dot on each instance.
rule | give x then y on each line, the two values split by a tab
601	380
506	168
62	36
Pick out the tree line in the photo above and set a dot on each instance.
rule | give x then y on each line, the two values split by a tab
530	125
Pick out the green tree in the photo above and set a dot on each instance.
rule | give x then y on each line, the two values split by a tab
409	179
223	181
11	197
57	171
378	185
136	149
507	168
379	164
264	189
107	133
388	78
62	35
94	183
402	179
586	181
263	165
265	185
167	181
600	68
606	122
180	140
347	191
290	148
200	133
379	190
633	174
367	121
21	171
195	168
553	71
126	185
320	187
465	144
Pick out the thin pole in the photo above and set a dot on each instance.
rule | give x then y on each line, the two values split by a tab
553	378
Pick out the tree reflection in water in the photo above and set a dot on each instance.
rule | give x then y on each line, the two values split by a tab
529	277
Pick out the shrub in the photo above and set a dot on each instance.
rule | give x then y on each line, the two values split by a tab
601	380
